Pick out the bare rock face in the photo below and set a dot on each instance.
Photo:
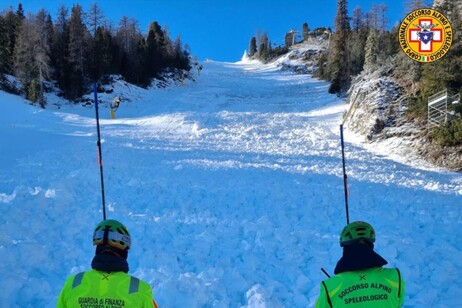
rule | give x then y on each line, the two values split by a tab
375	103
377	106
302	58
448	158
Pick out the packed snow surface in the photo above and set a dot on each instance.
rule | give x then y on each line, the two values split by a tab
231	187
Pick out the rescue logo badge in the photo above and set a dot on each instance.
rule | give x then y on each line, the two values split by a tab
425	35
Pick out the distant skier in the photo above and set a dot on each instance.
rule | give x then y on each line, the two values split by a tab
107	284
114	105
360	280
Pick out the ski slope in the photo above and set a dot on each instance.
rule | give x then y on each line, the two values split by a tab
231	187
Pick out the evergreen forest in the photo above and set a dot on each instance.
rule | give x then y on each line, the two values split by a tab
79	48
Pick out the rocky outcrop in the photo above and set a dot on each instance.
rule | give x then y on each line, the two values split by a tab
448	158
303	58
377	105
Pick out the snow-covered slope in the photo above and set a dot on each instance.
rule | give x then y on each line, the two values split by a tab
232	190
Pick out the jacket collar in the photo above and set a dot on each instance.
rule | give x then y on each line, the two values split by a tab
109	263
358	257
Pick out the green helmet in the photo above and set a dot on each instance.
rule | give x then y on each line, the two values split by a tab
113	233
355	231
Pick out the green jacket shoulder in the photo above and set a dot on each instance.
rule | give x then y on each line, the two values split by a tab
108	289
377	287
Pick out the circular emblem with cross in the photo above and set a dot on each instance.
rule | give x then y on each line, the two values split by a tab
425	35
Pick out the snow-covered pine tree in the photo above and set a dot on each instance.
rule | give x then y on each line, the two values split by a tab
371	50
338	65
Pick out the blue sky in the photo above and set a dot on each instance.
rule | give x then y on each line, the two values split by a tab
216	29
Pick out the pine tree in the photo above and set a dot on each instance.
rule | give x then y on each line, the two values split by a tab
381	21
371	50
128	34
94	18
170	56
339	57
4	47
155	49
181	56
60	51
12	24
358	39
32	62
32	91
42	51
23	55
141	68
152	56
20	12
99	52
122	34
305	31
130	40
263	49
77	52
390	45
49	32
102	53
253	46
288	39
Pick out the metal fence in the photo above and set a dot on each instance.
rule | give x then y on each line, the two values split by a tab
439	111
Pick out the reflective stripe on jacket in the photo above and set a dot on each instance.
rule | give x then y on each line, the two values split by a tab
375	287
100	290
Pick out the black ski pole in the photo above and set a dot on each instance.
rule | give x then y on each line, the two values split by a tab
345	177
326	273
100	158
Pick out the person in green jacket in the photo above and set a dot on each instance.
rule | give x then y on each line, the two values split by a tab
107	284
360	280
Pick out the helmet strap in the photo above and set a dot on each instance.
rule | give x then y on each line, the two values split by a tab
107	247
106	235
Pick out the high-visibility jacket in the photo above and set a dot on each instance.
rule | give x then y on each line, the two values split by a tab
375	287
96	289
